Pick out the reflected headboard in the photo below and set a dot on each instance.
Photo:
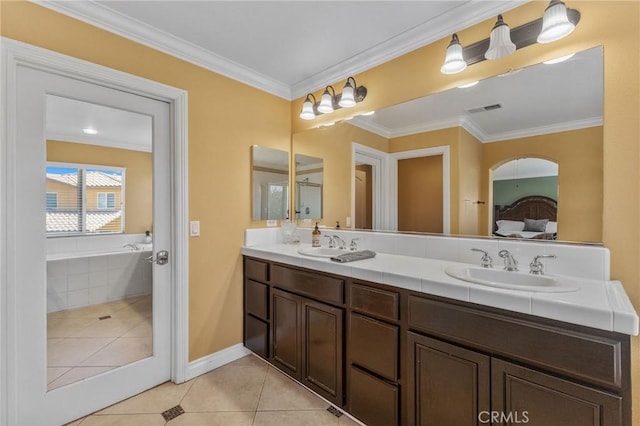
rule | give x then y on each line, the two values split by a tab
531	207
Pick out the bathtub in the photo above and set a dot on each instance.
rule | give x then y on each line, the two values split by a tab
87	277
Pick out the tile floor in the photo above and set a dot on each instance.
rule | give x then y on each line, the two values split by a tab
80	345
242	393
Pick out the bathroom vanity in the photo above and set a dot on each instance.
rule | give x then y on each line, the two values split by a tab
401	354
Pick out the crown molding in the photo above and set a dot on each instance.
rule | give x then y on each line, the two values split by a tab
463	16
369	126
103	17
544	130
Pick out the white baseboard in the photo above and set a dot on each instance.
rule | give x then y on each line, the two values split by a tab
217	359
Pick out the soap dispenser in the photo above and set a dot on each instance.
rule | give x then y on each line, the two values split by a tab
147	237
315	236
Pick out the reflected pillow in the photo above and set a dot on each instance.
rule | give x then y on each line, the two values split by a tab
535	225
552	228
510	225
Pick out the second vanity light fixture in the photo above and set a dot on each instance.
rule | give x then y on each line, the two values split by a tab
556	23
330	101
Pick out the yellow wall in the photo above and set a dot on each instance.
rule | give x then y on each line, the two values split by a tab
225	118
333	145
580	185
471	172
139	178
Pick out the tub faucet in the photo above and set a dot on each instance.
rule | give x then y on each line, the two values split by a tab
536	266
133	247
510	264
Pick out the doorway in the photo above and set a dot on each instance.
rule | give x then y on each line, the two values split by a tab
35	75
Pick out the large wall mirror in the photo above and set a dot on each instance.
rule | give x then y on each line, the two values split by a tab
458	161
270	183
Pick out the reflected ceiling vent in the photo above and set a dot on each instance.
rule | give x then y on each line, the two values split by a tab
484	108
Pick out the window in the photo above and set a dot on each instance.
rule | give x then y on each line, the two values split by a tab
106	200
52	200
84	199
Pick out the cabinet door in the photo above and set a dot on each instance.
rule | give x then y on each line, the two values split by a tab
323	349
527	396
286	330
371	399
447	385
256	335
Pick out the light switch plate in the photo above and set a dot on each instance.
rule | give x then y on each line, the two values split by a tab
194	228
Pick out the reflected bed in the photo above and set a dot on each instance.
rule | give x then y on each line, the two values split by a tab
521	218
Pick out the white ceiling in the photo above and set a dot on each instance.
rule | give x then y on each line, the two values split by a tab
288	48
292	47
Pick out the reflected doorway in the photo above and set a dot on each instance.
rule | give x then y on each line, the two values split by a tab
364	196
420	194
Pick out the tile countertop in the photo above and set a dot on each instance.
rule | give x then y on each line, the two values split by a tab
598	304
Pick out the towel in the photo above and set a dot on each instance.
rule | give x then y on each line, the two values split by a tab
353	256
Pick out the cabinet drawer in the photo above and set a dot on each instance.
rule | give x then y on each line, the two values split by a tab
256	299
256	336
373	301
256	270
372	400
374	345
319	286
591	357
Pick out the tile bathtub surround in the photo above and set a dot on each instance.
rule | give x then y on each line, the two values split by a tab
582	261
84	281
245	392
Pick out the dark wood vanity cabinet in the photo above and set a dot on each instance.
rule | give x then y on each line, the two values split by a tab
391	357
288	322
373	354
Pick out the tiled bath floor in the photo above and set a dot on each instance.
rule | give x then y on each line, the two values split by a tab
80	344
242	393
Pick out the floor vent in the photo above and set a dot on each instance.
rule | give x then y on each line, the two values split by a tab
172	413
333	410
104	317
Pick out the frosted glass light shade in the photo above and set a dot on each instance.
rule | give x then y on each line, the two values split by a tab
347	100
307	112
555	23
500	44
453	61
326	102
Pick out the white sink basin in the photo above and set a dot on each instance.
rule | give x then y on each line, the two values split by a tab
510	280
321	251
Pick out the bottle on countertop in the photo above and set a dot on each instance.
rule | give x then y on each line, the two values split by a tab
315	236
147	237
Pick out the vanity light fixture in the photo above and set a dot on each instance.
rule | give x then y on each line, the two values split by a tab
558	60
308	108
326	102
368	113
330	101
453	61
500	44
557	22
466	86
89	131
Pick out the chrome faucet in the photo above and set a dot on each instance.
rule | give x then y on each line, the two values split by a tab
536	267
353	246
510	264
342	245
485	261
332	242
133	247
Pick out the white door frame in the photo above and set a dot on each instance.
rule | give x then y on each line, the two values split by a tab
362	154
14	54
446	182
